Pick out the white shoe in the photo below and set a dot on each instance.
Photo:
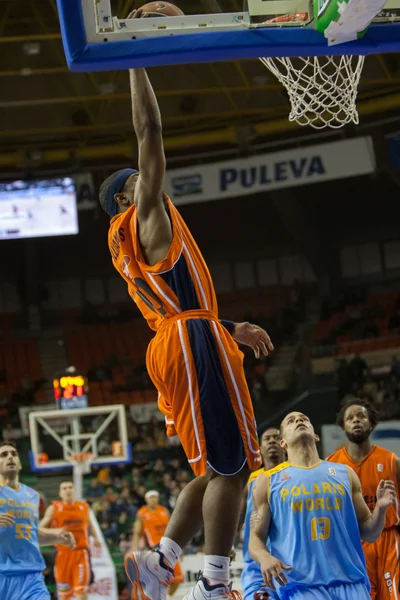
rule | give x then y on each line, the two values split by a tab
150	575
204	591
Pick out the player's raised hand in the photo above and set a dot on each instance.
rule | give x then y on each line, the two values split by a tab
272	568
385	493
253	336
6	520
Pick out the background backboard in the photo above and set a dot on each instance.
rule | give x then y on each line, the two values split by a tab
60	438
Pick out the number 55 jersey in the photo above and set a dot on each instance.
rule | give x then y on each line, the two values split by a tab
313	526
19	546
193	361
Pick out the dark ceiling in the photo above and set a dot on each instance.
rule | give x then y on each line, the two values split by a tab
53	118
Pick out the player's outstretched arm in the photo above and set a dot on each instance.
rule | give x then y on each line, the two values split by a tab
155	231
371	524
148	128
271	567
136	534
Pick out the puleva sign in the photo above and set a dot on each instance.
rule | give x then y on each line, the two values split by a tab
264	172
268	174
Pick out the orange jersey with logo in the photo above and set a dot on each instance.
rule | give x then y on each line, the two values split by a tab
378	464
154	523
180	282
75	518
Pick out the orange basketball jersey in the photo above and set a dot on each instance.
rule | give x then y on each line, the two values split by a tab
180	282
378	464
75	518
193	360
154	523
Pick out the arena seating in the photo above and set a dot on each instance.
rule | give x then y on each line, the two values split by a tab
19	363
360	327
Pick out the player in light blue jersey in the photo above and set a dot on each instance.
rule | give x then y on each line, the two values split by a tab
313	514
21	563
272	454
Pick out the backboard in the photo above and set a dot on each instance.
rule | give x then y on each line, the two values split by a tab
61	439
97	38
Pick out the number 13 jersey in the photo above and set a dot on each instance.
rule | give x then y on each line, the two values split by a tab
313	527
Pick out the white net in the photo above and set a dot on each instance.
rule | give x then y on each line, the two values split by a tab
83	461
322	89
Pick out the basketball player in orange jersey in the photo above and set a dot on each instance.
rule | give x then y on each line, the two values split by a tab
193	360
151	522
358	418
72	569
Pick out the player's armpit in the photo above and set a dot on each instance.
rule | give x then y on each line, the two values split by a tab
260	518
154	232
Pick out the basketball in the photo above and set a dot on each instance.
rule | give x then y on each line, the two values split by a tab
159	9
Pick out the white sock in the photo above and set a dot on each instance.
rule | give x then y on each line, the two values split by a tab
171	550
216	569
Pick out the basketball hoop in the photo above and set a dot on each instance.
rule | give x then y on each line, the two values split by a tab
322	89
82	461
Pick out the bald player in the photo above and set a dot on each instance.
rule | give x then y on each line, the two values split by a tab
313	514
272	455
372	463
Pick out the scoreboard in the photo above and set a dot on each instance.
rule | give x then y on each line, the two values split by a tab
70	391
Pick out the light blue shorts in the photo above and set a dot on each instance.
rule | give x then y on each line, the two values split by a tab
252	581
341	591
29	586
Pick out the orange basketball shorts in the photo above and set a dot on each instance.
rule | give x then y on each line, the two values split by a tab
178	574
382	558
72	572
197	369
